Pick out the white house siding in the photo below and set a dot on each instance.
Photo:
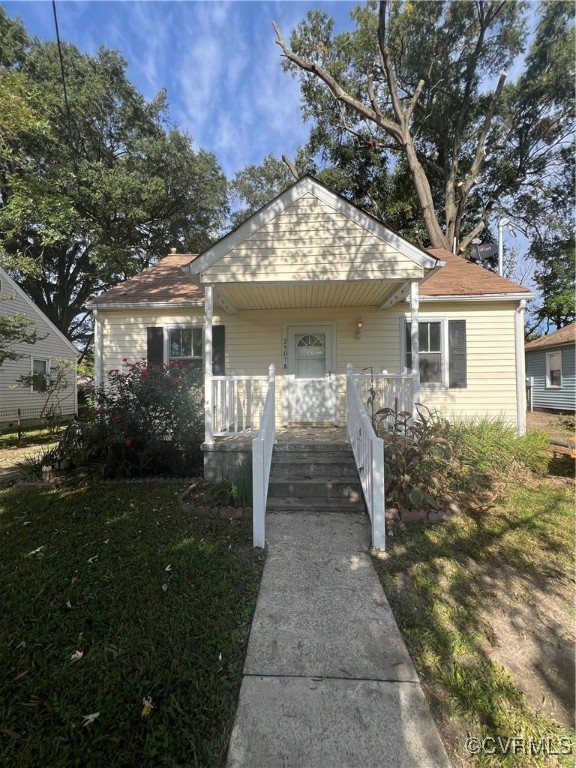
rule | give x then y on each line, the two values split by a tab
53	348
310	240
254	339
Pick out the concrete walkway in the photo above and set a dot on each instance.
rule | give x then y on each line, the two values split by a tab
328	682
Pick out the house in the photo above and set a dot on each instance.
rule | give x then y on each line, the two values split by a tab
311	284
27	403
550	369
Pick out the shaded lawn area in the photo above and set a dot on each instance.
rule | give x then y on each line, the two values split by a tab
159	604
485	604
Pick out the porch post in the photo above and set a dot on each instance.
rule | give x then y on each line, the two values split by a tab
208	313
414	345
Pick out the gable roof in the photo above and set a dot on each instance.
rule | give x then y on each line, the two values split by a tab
35	310
163	283
294	195
460	277
566	335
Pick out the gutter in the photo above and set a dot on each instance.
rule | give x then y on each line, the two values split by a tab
145	305
479	297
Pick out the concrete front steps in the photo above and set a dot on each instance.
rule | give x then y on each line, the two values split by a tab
317	477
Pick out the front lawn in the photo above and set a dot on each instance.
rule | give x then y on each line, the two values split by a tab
112	597
485	604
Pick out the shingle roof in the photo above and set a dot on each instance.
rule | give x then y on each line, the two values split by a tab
460	277
165	282
566	335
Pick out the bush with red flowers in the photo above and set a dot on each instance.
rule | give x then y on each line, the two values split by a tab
148	420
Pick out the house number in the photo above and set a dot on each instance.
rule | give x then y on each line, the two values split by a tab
285	354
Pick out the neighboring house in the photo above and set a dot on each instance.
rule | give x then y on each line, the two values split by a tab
550	365
51	348
311	284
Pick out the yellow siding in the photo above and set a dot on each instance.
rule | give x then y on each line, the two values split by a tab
254	339
310	240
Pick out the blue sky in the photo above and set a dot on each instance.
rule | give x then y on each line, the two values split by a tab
218	61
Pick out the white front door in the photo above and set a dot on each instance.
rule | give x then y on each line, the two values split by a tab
310	386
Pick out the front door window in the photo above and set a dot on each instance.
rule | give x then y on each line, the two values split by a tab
310	354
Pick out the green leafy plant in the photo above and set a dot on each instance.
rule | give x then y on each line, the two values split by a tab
30	467
59	378
235	491
148	420
417	456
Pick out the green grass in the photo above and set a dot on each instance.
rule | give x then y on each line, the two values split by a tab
439	581
30	437
163	612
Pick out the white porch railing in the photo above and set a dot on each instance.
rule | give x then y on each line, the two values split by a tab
386	390
237	403
368	452
262	447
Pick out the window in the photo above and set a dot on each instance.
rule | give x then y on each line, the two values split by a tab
39	373
185	344
431	357
554	369
442	345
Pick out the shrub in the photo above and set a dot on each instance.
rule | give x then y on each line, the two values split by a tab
417	456
148	420
233	491
429	462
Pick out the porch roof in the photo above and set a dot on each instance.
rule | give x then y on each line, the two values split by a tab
310	247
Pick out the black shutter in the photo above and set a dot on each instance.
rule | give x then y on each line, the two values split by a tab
457	361
218	350
155	345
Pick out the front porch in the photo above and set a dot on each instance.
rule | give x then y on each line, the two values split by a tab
328	467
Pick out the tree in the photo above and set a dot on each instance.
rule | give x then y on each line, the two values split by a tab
256	185
15	329
423	85
105	189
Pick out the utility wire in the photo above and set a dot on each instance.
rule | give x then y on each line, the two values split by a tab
68	113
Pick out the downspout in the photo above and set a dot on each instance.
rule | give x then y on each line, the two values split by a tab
414	345
97	349
208	388
520	367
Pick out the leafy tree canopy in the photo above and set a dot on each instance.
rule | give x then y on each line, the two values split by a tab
96	187
418	93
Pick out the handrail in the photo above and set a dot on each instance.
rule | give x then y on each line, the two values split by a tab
262	447
368	450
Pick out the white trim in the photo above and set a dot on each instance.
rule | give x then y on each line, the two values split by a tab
98	369
180	326
444	350
40	359
520	368
145	305
208	376
482	297
226	305
38	312
415	343
548	354
289	197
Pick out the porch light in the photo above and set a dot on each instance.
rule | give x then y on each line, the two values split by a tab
359	328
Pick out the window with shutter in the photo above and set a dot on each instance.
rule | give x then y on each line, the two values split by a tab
442	346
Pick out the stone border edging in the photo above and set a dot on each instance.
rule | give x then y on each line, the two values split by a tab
199	510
